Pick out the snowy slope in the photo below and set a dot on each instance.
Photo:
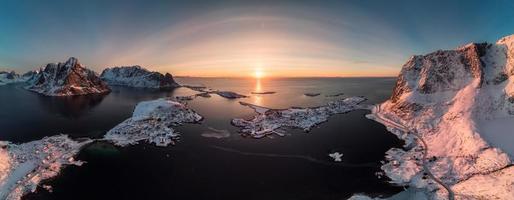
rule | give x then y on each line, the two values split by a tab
461	104
136	76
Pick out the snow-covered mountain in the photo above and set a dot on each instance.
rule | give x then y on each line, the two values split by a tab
13	77
137	76
67	79
29	76
460	105
9	77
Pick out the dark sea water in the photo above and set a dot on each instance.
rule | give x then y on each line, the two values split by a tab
296	166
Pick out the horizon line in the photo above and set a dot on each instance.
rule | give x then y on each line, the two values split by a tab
273	77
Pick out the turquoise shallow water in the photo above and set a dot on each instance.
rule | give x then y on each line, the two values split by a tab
291	167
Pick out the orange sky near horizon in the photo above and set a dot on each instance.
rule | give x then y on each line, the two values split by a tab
212	46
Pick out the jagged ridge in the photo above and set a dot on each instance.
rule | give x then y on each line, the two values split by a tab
137	76
67	79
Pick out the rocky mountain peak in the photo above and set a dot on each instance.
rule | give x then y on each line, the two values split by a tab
442	76
66	79
443	70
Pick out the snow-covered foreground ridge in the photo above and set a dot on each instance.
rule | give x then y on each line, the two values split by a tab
153	121
447	98
137	76
274	121
24	166
67	79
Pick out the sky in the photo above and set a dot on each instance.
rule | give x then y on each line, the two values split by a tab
269	38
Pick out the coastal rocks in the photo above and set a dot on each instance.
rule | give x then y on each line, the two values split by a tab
273	121
67	79
24	166
153	121
441	106
137	76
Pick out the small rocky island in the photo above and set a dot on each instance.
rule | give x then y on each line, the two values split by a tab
137	76
67	79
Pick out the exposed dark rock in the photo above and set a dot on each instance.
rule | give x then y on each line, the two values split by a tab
67	79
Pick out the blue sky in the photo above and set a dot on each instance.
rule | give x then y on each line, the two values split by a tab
234	38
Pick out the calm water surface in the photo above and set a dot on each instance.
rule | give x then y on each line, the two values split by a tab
291	167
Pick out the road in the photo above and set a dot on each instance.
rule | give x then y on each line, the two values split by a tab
391	123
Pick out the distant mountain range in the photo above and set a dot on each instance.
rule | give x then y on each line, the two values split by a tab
71	78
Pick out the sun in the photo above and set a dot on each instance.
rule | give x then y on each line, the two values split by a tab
258	73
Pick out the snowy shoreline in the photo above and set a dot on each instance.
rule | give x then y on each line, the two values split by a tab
24	166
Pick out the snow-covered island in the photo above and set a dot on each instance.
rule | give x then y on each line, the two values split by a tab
67	79
273	121
137	76
455	111
153	121
24	166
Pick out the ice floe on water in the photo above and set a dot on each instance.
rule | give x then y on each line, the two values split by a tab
24	166
153	121
273	121
336	156
216	133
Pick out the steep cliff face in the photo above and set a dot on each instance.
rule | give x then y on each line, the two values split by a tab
67	79
136	76
461	103
438	77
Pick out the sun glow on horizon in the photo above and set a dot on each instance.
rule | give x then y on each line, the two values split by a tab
258	73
